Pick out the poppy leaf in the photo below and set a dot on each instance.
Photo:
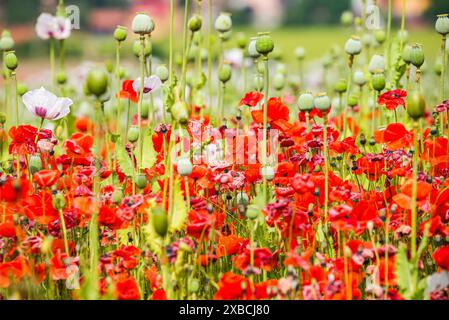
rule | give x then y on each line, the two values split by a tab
179	216
124	161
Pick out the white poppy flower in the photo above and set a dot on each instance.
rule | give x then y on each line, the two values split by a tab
46	105
49	26
150	84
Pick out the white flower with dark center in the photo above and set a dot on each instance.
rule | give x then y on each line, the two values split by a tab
49	26
46	105
150	84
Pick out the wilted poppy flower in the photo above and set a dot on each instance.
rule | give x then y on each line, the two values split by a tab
46	105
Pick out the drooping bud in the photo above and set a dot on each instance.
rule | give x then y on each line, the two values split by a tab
120	33
97	82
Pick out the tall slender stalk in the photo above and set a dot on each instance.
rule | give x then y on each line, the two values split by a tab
326	167
265	126
414	188
186	44
209	55
139	106
172	18
118	83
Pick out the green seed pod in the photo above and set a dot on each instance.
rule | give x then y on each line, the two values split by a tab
120	33
258	82
442	24
264	44
279	81
353	46
6	41
58	202
179	112
145	109
225	72
141	181
407	54
416	105
223	23
417	56
377	63
267	172
438	68
252	212
242	198
11	61
137	48
195	23
347	18
117	196
306	102
300	53
22	89
378	81
242	40
142	24
322	102
97	82
162	73
184	167
194	285
61	77
133	134
341	86
35	164
159	221
252	51
353	100
359	78
380	36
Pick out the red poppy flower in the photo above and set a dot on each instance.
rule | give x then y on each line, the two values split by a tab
128	92
395	136
229	245
393	99
230	287
126	288
278	115
23	140
251	99
46	178
441	257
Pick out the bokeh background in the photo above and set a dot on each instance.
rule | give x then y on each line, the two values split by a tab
313	24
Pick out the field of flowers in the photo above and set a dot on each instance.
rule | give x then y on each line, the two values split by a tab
224	172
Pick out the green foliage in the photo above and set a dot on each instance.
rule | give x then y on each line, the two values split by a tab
123	159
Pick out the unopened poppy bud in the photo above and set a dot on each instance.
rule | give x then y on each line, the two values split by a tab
159	221
370	225
353	46
377	63
347	18
322	102
264	44
184	167
117	196
416	105
11	61
195	23
258	82
21	89
252	51
58	201
179	112
279	81
97	82
341	86
142	24
306	102
438	68
6	41
442	24
223	23
133	134
300	53
61	77
417	56
282	69
141	181
353	100
347	252
162	72
242	40
2	118
35	164
378	80
359	78
380	36
120	33
252	212
225	73
268	172
194	285
137	48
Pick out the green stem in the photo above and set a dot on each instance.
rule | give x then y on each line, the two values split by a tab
139	106
326	168
209	54
414	188
172	15
64	232
186	43
265	128
118	83
52	63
